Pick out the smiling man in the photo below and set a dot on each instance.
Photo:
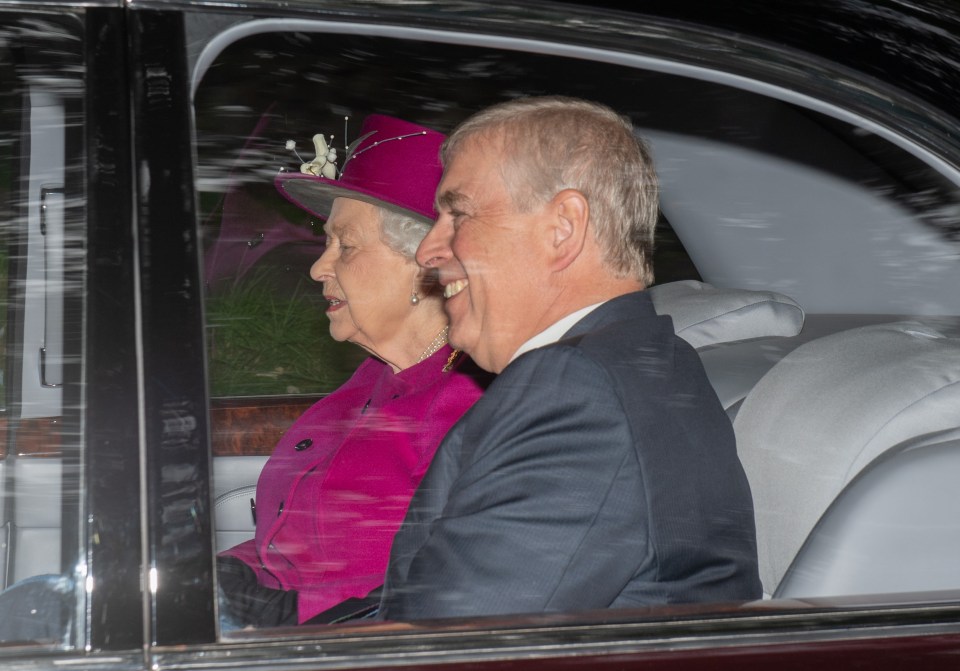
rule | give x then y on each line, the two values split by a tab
599	470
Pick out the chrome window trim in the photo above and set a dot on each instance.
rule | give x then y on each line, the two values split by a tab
58	5
559	637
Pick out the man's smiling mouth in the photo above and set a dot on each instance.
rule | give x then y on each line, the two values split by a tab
454	288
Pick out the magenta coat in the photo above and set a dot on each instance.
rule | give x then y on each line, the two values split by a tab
334	491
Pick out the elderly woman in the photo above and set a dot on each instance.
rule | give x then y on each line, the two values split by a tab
337	485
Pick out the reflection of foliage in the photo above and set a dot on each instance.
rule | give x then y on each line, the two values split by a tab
4	268
9	122
263	342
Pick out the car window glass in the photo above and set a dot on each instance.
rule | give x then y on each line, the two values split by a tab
759	194
41	280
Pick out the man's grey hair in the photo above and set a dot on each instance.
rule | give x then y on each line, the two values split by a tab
554	143
402	232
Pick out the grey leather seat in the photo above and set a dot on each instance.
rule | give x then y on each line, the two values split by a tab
739	333
31	544
894	528
843	444
706	315
234	485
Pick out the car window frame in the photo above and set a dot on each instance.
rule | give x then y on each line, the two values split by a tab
786	78
795	81
165	628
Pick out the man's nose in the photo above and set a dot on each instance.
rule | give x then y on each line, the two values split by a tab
434	249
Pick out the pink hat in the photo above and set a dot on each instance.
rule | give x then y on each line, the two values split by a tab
395	164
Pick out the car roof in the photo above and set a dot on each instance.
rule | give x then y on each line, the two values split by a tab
911	44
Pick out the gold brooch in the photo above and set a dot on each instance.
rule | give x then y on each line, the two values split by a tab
452	359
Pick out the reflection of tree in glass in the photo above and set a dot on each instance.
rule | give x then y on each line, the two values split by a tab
263	342
4	266
8	119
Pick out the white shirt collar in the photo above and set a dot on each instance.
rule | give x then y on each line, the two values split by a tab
554	332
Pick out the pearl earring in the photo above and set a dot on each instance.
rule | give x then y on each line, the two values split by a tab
414	298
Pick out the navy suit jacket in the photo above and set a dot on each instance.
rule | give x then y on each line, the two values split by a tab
600	471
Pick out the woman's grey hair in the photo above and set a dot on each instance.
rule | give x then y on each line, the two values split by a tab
554	143
402	232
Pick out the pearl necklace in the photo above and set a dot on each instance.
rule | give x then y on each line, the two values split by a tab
439	341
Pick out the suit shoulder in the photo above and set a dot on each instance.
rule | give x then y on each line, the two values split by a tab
563	361
559	378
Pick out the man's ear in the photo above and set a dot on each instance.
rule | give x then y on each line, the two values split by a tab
570	216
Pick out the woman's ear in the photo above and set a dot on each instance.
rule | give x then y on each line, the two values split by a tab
570	215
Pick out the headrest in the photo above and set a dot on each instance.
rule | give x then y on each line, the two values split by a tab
826	411
706	315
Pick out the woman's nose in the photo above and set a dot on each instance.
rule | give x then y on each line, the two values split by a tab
434	249
322	268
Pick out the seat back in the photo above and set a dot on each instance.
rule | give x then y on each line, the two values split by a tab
894	528
32	539
234	485
829	409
